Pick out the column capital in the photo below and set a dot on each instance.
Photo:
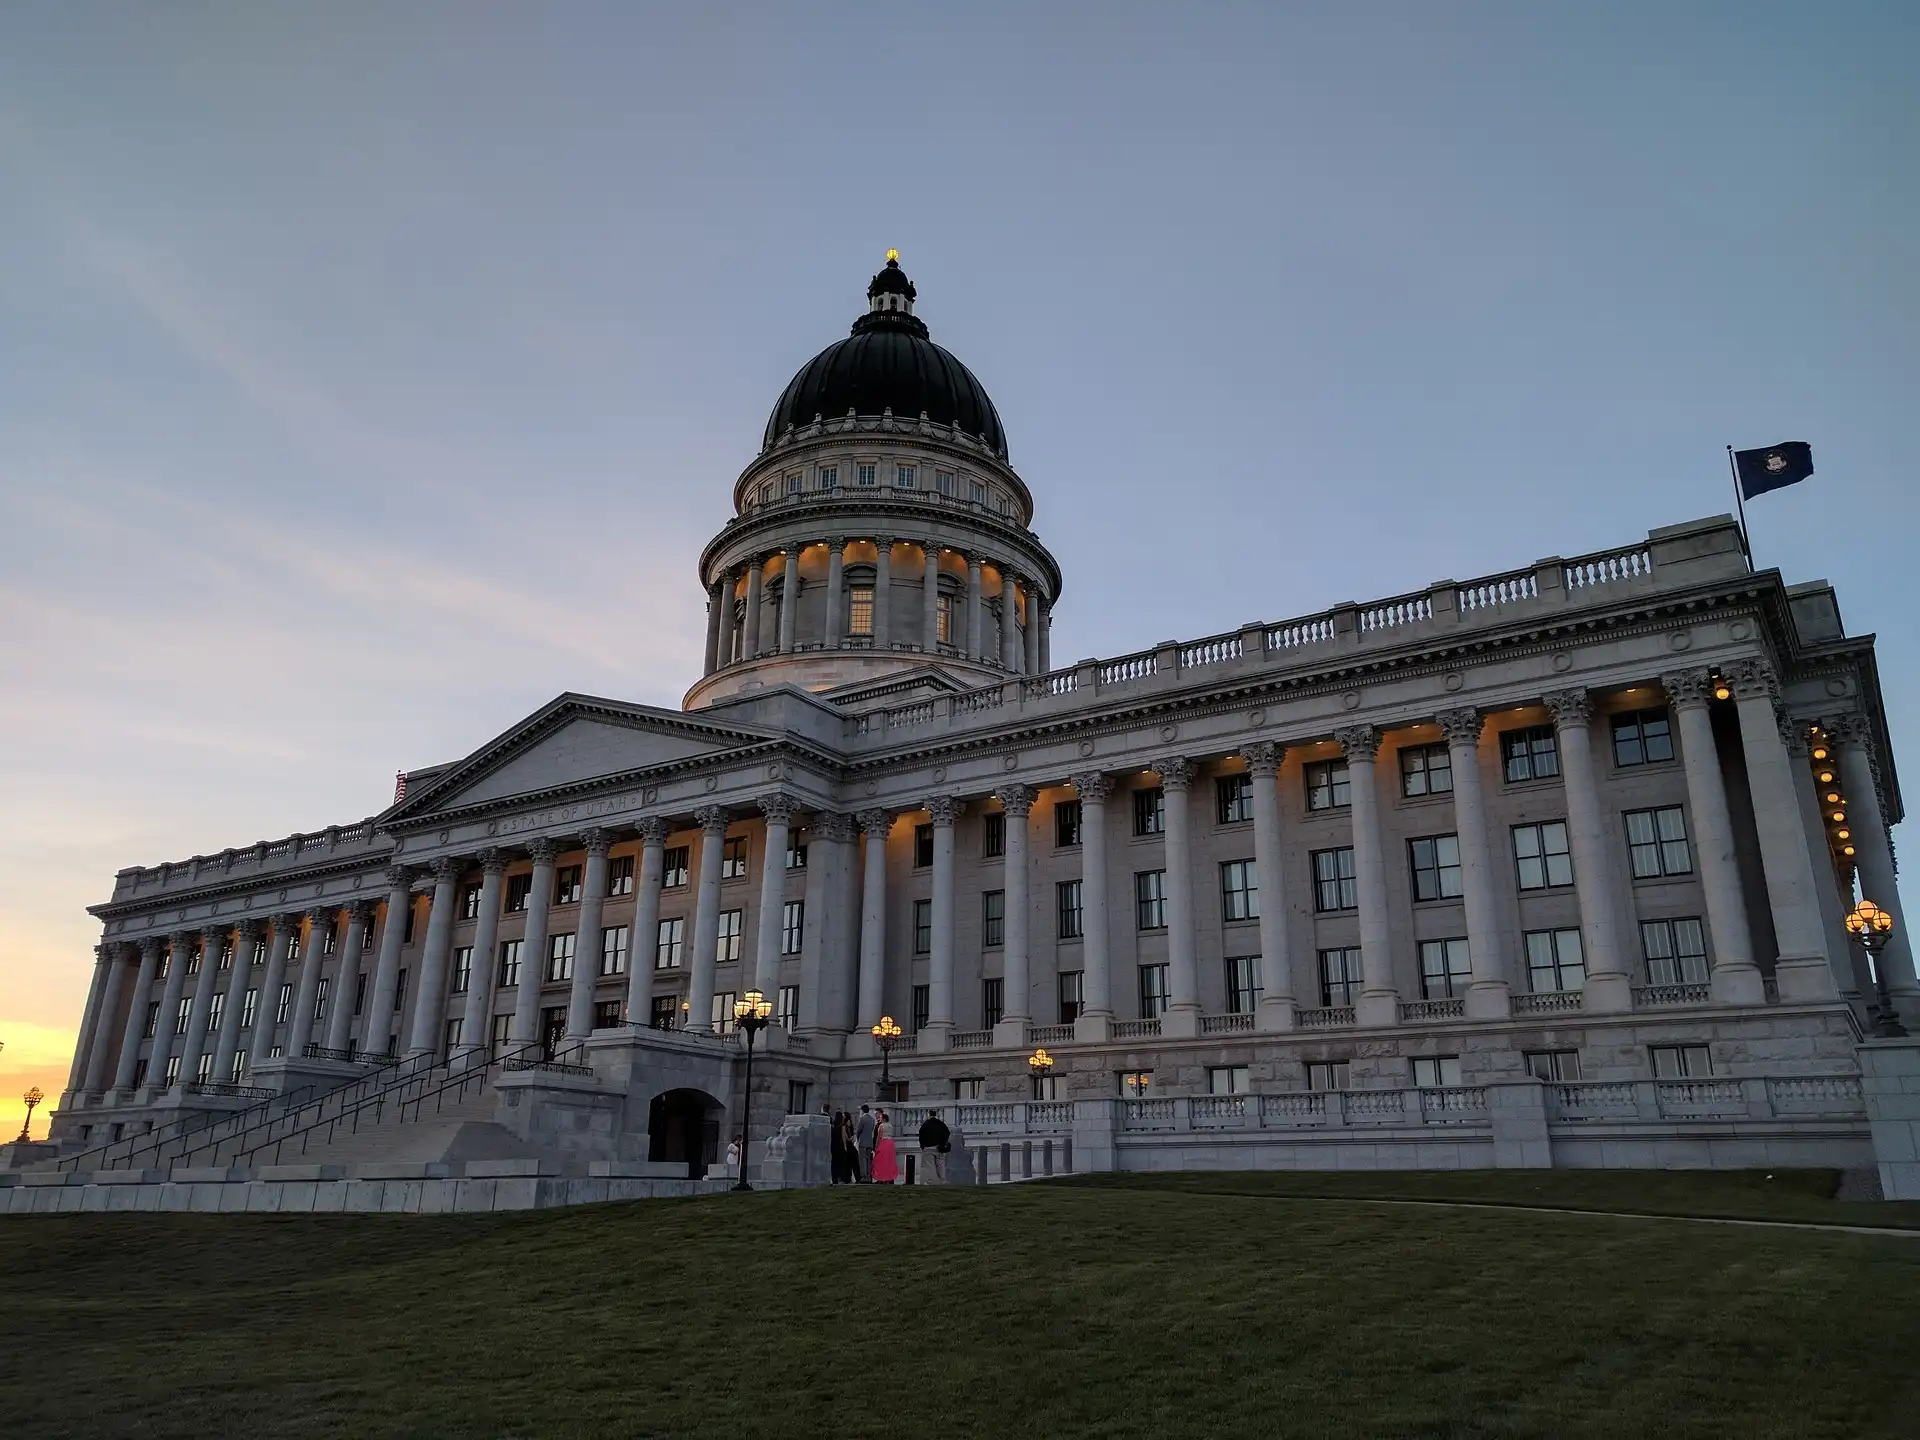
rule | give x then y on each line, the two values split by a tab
945	809
1093	785
875	823
445	869
542	850
973	564
248	927
288	920
713	819
597	841
1688	687
777	808
1017	799
361	912
1462	726
1175	772
837	542
493	861
1753	679
1263	758
1849	729
321	914
1358	742
150	945
183	941
883	543
214	931
1571	708
654	830
399	877
832	827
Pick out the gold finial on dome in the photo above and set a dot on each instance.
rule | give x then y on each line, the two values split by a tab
894	255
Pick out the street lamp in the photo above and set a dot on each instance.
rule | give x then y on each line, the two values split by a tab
1873	927
1041	1064
33	1097
887	1035
751	1013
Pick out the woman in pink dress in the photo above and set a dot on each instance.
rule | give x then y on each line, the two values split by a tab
885	1169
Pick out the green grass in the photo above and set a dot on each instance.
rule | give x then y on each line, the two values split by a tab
1139	1307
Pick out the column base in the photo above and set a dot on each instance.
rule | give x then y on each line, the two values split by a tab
1274	1014
1011	1033
1093	1029
1488	1000
935	1039
1181	1022
860	1046
1906	1004
1377	1008
1610	994
1737	985
1805	977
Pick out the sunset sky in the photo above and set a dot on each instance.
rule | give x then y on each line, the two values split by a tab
371	373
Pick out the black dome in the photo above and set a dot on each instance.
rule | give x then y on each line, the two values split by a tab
888	363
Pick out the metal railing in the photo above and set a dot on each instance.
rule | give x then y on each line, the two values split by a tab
132	1147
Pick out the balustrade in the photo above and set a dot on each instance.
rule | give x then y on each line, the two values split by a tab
1416	1011
1547	1002
1136	1029
1226	1024
1326	1017
1500	590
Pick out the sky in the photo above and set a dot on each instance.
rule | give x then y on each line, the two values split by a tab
371	373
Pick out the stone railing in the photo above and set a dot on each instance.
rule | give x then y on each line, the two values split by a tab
1136	1030
200	868
1049	1034
1307	1109
1547	1002
1226	1024
1647	997
1218	650
1751	1097
971	1039
1609	567
974	1118
1327	1017
1417	1010
1497	590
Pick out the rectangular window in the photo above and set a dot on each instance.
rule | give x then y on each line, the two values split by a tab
519	887
670	944
922	927
327	944
462	969
993	835
1554	961
1066	895
1153	991
1530	754
1328	1074
1134	1084
733	858
620	875
976	492
903	477
829	477
1243	984
470	903
1239	890
1328	785
1233	798
320	993
1681	1062
1226	1079
673	869
1071	995
607	1016
992	1001
500	1034
793	484
727	941
1444	969
1676	951
1334	886
922	1001
1150	811
1150	900
922	846
613	950
665	1014
193	957
359	997
560	957
183	1015
1046	1087
943	481
1540	855
509	965
215	1004
285	1002
1436	867
1657	842
766	492
173	1071
260	945
723	1019
786	1011
796	849
1425	770
1340	976
797	1092
406	937
860	609
153	1015
970	1087
1556	1067
1641	737
993	918
793	924
1431	1072
943	620
865	474
1066	824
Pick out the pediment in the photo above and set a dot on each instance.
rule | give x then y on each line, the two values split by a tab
571	743
902	688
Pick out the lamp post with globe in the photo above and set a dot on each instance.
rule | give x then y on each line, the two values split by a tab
1873	927
33	1097
886	1035
752	1013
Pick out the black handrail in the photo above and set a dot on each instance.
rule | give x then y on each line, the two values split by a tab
342	1095
179	1129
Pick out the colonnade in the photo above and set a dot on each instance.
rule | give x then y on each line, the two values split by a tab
1018	641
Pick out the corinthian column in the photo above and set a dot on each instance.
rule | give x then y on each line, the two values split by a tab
137	1014
106	1015
1009	623
179	947
376	1038
430	994
587	936
1015	1001
1873	856
1608	988
646	920
712	820
340	1018
227	1041
874	824
533	946
789	599
1183	969
486	939
286	935
1032	655
1379	996
778	811
826	980
306	995
750	630
716	609
1275	1010
836	590
882	592
930	597
1802	970
1096	1017
1487	996
206	982
104	956
935	1034
1736	979
976	638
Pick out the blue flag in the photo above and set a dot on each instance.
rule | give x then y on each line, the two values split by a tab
1774	468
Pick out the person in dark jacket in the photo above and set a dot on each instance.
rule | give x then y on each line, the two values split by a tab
935	1145
837	1148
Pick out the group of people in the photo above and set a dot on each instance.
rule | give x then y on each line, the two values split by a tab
863	1153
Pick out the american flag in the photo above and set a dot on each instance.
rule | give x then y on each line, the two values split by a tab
399	786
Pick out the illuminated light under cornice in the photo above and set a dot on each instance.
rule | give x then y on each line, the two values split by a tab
1843	834
1839	815
1847	851
1826	777
1820	752
1833	797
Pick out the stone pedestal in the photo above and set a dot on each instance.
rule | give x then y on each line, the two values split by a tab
1804	978
1010	1035
1517	1112
1095	1124
1273	1015
1890	1084
1180	1023
1488	1000
1093	1030
289	1074
20	1154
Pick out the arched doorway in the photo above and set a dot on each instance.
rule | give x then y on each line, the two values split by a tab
684	1126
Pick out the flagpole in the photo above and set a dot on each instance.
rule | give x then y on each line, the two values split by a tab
1740	505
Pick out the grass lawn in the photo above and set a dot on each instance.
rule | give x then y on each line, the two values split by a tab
1136	1307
